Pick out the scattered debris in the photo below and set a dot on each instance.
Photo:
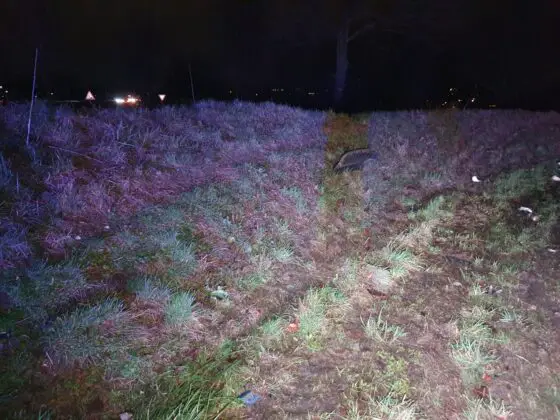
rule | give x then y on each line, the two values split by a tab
125	416
493	291
219	294
292	327
530	213
355	160
249	397
475	179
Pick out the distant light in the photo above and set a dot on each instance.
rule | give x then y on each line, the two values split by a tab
119	101
492	106
1	87
230	92
131	100
473	99
52	93
161	97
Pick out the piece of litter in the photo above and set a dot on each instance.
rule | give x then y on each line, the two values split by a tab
125	416
535	218
525	209
475	179
106	227
552	250
556	178
77	237
219	294
249	398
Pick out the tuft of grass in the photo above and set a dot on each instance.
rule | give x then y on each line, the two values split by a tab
398	260
282	254
470	351
523	182
296	194
347	279
490	409
268	337
392	408
510	316
312	315
434	210
180	309
79	337
148	288
199	390
252	281
379	329
14	247
42	289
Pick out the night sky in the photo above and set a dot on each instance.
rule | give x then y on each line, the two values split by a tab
411	50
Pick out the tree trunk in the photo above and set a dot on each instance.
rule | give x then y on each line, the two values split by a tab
341	63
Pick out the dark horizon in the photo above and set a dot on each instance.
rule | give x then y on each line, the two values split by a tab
405	54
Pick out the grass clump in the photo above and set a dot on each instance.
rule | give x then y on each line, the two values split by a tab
434	210
398	260
379	329
180	309
149	288
490	409
199	390
86	335
313	312
520	183
470	351
392	408
42	289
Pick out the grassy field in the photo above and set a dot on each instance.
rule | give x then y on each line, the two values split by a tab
161	264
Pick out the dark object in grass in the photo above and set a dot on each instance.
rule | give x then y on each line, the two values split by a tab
354	160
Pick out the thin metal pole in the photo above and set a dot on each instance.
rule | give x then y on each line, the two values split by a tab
32	97
192	83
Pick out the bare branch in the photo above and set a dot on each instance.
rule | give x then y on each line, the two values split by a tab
361	31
